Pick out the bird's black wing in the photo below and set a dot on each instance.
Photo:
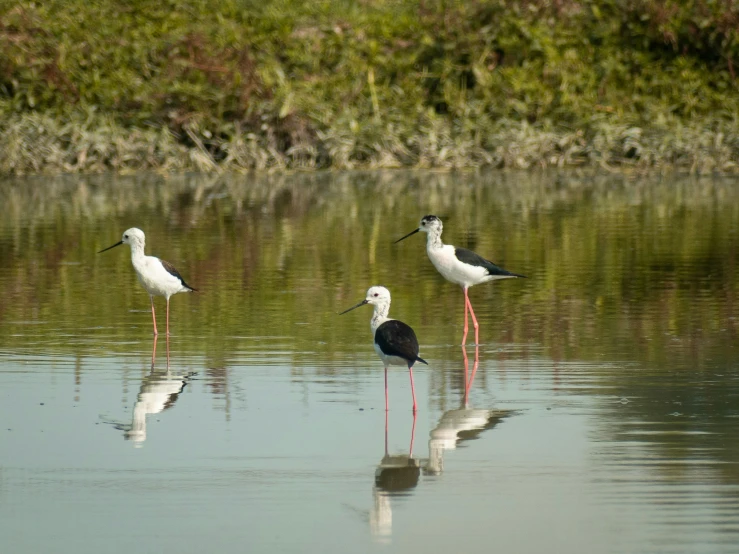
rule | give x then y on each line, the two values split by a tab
395	338
469	257
172	271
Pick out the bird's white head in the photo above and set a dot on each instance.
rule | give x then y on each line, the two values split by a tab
133	237
378	296
430	224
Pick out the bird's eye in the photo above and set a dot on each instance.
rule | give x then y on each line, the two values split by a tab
125	236
423	223
376	294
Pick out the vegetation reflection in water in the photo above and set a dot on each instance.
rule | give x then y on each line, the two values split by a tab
640	274
611	262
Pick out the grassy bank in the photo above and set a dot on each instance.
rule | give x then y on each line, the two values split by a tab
240	84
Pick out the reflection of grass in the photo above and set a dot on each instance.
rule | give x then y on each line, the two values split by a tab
242	84
609	276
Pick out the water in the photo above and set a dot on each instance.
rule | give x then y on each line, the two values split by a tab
601	418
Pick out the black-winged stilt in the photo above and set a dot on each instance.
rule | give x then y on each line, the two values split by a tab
395	342
158	277
459	265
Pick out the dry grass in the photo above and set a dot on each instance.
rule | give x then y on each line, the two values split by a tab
90	87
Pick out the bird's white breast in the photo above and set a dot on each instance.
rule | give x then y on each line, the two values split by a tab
446	263
155	279
390	360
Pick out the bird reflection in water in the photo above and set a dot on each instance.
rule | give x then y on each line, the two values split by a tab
396	474
158	392
461	424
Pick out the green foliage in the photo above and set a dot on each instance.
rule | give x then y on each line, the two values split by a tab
242	84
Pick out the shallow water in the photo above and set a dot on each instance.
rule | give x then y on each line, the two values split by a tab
602	414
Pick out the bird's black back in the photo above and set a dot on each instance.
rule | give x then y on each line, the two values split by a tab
472	258
172	271
395	338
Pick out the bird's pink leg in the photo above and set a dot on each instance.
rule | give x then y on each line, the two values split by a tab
168	317
154	352
386	414
466	327
474	319
468	385
153	316
386	402
466	375
167	352
413	435
413	389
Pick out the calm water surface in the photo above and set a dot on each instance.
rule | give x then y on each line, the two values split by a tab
602	416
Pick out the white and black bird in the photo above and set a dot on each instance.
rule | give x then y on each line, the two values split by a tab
395	342
459	265
158	277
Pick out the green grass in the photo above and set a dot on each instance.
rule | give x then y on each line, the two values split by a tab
238	84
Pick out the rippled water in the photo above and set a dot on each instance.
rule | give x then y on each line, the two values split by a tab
602	416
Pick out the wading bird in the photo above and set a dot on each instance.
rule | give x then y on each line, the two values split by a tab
458	265
395	342
158	277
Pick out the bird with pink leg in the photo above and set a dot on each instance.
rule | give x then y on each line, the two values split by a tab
459	265
158	277
395	342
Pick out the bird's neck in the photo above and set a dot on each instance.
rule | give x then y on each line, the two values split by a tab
380	316
137	252
433	241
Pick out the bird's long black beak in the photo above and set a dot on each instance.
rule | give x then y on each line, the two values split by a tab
109	247
362	303
408	235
